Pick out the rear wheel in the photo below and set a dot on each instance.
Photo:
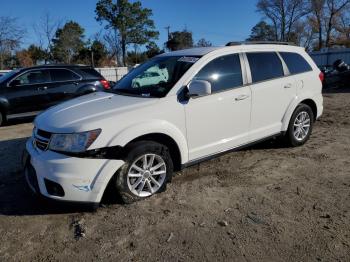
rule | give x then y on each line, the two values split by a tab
147	169
300	126
2	118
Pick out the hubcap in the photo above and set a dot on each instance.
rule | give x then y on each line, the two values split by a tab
146	175
301	126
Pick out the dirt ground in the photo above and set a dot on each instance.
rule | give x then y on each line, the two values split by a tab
266	203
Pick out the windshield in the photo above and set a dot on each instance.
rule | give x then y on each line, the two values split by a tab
155	78
8	75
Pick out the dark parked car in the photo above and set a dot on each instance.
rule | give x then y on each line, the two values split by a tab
336	75
27	91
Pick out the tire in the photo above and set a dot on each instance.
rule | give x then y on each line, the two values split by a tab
134	184
297	136
2	118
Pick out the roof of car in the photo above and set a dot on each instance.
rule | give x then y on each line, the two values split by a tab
201	51
58	66
198	51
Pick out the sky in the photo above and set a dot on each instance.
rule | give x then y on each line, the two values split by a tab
218	21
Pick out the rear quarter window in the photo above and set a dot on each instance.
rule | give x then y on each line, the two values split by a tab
90	73
59	75
295	63
265	66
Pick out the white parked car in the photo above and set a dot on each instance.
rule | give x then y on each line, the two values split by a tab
215	100
147	79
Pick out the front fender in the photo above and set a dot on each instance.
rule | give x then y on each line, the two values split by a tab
152	127
4	105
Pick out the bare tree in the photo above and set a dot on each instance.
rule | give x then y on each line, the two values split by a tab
342	28
318	8
45	30
11	35
333	9
305	33
112	41
284	15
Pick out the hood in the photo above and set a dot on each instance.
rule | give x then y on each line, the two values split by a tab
81	113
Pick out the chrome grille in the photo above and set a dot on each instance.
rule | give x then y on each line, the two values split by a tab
41	139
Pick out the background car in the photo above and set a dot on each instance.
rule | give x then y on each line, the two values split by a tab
336	75
27	91
151	78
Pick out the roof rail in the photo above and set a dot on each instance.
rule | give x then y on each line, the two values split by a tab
234	43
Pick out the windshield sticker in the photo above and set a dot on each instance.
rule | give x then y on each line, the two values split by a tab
188	59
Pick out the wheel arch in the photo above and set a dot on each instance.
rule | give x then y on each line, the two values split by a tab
86	89
159	131
166	140
3	107
293	105
311	103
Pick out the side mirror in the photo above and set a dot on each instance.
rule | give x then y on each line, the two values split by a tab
15	82
199	88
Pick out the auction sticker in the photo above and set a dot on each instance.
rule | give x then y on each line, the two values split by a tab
188	59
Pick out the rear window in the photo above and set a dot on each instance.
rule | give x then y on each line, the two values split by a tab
63	75
90	73
265	66
295	63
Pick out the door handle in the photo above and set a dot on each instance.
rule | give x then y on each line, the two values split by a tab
241	97
288	86
42	88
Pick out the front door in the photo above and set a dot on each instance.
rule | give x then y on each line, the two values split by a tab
219	121
28	92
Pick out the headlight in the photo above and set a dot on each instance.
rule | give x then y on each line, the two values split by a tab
75	143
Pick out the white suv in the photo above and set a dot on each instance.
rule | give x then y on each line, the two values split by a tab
214	100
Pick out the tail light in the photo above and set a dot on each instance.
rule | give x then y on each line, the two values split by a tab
105	84
321	76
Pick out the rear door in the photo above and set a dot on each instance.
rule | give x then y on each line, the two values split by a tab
65	84
30	92
272	92
299	68
219	121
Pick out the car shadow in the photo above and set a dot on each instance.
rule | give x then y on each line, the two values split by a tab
16	199
20	120
271	143
336	90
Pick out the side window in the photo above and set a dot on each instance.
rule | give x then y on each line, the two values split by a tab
295	63
264	66
63	75
223	73
34	77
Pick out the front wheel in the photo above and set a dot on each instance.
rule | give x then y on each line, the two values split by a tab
300	126
147	169
2	118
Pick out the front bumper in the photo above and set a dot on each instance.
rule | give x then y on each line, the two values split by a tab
82	179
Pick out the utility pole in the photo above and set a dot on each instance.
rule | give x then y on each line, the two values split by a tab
92	58
168	30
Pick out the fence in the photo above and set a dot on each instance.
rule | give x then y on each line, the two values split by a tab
329	56
113	73
110	73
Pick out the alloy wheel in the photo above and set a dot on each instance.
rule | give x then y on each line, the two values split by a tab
146	175
301	126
